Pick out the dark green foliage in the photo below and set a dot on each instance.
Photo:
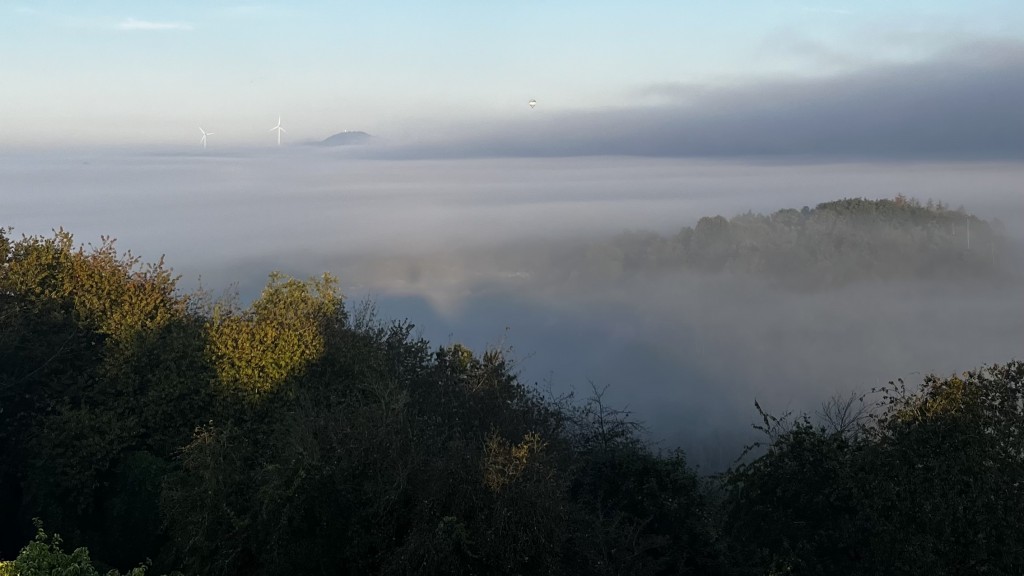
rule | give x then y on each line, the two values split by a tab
798	508
418	463
931	485
288	438
292	437
99	360
126	529
654	516
45	556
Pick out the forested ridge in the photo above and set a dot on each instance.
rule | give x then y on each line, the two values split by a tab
162	432
833	244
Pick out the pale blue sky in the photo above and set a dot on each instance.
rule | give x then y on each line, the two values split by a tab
109	72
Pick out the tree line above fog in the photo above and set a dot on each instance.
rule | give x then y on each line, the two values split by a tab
833	244
176	432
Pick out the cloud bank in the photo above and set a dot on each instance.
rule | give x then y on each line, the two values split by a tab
965	105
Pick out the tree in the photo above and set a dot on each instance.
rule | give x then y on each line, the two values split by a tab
100	362
929	485
279	335
44	556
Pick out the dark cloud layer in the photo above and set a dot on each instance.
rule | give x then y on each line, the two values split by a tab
963	106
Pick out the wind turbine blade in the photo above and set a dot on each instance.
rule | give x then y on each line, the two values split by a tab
281	129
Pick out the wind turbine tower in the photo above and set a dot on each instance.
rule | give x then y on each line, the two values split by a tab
279	130
203	139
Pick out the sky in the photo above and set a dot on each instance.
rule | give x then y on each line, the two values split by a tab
110	73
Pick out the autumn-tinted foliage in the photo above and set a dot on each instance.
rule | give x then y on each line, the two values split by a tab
298	436
99	363
288	437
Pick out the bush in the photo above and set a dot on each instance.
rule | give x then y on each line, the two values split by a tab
44	556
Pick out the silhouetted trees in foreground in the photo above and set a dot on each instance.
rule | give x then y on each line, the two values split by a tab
173	432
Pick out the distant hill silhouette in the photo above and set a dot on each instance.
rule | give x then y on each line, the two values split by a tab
346	138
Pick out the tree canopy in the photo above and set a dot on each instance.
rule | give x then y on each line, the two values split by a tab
169	432
833	244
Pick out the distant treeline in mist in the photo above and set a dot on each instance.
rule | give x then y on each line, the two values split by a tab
833	244
163	432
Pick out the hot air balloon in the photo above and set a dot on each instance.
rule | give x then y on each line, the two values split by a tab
533	103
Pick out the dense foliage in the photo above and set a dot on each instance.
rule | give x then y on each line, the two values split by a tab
290	437
833	244
929	483
299	436
45	556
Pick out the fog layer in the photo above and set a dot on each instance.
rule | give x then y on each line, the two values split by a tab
477	251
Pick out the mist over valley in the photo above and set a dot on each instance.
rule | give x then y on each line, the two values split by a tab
574	266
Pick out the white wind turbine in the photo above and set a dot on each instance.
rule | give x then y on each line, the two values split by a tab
279	130
203	139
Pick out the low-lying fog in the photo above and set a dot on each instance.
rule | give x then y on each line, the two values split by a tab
481	252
